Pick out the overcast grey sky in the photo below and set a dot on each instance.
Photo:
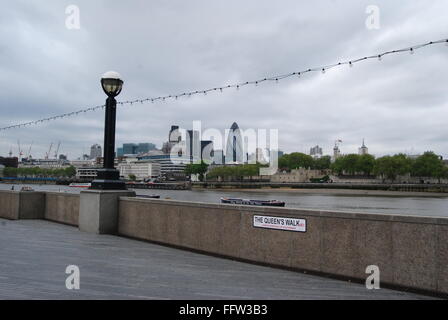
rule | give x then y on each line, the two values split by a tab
162	47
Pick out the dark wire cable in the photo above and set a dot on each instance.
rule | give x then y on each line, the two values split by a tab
235	85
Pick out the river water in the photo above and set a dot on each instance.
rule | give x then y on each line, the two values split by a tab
403	205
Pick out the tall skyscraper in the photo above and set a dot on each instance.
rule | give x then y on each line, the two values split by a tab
174	134
234	146
207	152
95	151
262	156
174	137
193	146
218	157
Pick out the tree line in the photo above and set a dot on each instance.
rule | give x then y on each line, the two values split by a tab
388	167
235	172
298	160
197	168
426	165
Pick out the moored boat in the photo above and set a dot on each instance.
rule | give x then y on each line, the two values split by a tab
151	196
26	189
79	185
272	203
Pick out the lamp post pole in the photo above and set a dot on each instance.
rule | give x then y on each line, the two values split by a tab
108	178
109	133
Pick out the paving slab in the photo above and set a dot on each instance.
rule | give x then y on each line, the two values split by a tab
34	255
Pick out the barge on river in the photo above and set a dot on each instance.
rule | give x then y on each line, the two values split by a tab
272	203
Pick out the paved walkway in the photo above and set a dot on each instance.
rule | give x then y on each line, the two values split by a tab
34	255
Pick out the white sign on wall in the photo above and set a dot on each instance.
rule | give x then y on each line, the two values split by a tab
280	223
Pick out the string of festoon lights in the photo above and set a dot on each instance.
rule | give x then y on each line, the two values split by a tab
236	86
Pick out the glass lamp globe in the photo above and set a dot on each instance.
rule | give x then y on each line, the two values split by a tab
111	83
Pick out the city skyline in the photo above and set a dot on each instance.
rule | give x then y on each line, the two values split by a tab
349	103
224	155
327	149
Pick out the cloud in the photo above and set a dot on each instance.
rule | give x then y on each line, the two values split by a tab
161	47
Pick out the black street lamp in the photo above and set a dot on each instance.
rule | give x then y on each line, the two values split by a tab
108	178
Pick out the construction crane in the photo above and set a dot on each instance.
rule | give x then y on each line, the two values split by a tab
47	155
337	142
28	156
57	150
20	150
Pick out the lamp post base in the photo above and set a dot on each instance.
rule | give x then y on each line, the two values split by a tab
108	179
